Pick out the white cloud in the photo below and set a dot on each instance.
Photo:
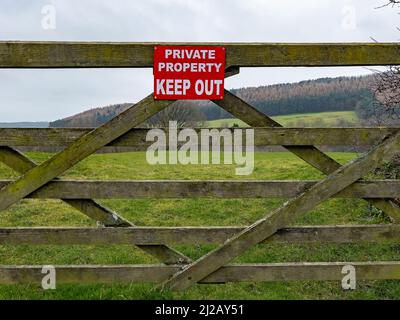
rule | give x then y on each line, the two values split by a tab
51	94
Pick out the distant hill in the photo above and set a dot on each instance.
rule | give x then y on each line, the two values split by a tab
92	117
24	124
321	95
306	120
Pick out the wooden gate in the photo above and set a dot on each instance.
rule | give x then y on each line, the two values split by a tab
177	271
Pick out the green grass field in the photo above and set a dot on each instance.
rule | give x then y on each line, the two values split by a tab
193	212
322	119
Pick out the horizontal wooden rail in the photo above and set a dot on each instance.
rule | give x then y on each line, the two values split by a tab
75	189
25	54
136	138
194	235
295	271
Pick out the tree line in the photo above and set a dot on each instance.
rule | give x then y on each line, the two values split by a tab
321	95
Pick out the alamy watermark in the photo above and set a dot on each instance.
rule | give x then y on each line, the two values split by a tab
189	146
349	18
49	17
49	280
349	280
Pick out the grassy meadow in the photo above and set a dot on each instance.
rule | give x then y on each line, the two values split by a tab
319	119
193	212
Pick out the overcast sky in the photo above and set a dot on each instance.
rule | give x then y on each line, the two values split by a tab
35	95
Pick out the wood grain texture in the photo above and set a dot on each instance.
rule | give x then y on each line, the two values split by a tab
26	54
194	235
181	189
295	271
136	138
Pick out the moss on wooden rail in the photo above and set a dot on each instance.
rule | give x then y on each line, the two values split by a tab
194	235
136	138
27	54
163	189
295	271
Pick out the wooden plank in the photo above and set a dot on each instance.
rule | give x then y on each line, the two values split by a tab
15	160
338	234
180	189
25	274
194	235
285	215
295	271
62	137
92	209
302	271
27	54
312	155
80	149
136	138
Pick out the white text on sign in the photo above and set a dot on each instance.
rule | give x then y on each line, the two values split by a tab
189	72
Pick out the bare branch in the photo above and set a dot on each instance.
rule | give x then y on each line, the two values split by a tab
390	3
386	90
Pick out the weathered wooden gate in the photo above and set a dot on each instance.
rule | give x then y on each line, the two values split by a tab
178	271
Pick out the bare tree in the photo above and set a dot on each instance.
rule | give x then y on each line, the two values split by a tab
185	113
386	90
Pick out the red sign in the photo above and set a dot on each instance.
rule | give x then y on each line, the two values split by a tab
189	72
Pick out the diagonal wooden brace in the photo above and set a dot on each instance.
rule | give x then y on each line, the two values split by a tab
82	148
79	150
312	155
21	163
38	176
282	217
85	146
